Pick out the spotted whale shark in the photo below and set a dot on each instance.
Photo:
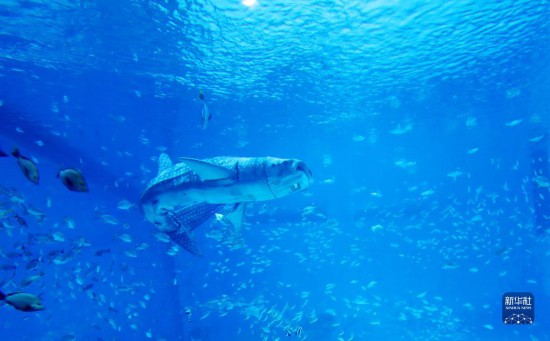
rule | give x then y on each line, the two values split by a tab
184	195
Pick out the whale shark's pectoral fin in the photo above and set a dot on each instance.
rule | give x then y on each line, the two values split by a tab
192	216
184	238
236	217
208	171
184	220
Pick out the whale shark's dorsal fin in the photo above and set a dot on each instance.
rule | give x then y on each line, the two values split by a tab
208	171
164	162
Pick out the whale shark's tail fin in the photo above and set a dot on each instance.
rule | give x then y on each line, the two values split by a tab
185	220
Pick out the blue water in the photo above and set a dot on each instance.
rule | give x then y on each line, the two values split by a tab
425	125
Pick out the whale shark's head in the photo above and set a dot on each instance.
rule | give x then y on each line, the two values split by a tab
285	176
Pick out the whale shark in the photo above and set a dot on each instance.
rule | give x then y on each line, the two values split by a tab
186	194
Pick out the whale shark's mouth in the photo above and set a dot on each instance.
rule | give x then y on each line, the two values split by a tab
287	177
302	167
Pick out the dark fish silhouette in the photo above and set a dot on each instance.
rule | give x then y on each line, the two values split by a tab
73	180
205	113
22	301
28	167
20	220
31	265
102	252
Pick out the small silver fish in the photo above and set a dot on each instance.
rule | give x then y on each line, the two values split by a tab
73	180
28	167
188	313
289	331
108	219
31	279
125	205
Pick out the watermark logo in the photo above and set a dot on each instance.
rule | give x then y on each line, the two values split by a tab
518	308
